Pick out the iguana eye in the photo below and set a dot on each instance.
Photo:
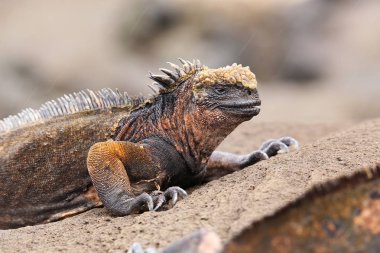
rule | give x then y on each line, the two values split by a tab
220	90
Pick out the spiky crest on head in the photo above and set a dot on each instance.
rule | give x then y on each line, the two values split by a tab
169	81
234	74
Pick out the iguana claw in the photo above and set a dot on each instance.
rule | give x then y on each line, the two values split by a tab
142	202
160	198
173	192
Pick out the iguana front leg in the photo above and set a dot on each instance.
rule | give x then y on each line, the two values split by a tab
223	163
108	164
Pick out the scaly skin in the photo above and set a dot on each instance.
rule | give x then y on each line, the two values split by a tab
43	167
141	154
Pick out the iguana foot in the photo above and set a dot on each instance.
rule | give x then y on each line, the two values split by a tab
223	163
160	198
273	147
127	204
268	149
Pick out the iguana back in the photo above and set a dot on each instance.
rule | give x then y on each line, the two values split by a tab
43	160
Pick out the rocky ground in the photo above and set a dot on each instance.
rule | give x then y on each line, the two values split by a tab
225	206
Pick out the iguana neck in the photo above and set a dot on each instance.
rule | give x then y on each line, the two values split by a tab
192	131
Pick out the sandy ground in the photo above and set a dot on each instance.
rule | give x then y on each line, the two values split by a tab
226	205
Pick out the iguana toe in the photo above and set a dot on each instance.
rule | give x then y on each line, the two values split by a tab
144	199
273	147
160	198
254	157
173	192
290	142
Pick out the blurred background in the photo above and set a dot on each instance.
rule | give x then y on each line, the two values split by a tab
315	60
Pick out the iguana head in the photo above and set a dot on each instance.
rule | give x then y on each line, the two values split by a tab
231	91
207	103
227	93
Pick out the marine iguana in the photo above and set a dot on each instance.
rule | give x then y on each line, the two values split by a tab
139	151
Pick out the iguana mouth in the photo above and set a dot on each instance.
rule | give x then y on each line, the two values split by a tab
245	108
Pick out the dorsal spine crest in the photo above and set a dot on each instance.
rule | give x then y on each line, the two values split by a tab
70	104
